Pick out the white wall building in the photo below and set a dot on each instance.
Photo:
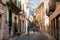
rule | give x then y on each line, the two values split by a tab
26	11
46	17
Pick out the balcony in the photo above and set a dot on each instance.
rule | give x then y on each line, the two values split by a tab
13	5
51	10
15	2
52	7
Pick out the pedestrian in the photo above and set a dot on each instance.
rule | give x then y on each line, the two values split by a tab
28	29
9	30
34	29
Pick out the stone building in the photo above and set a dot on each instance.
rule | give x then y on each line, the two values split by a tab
53	12
15	17
26	12
22	27
3	26
40	17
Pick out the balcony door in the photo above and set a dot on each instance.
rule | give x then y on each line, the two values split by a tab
10	18
59	27
10	21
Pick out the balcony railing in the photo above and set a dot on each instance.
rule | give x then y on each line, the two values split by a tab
15	2
52	7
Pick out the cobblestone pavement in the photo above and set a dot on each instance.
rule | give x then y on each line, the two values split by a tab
32	36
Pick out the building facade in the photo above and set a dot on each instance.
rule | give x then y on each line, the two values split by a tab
40	17
26	12
15	17
22	28
54	16
3	26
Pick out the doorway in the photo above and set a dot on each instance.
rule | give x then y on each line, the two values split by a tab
15	26
10	21
58	27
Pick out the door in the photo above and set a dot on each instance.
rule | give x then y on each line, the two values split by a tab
59	26
15	26
20	26
10	21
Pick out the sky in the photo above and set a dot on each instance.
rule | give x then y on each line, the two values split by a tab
34	5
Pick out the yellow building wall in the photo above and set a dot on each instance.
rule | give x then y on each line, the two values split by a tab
40	16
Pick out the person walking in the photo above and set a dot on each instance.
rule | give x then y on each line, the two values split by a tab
28	28
34	29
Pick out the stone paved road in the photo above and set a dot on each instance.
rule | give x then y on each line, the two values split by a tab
32	36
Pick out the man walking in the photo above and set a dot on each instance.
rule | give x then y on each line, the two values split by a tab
28	28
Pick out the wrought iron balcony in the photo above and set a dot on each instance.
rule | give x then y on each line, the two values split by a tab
52	7
12	5
51	10
48	13
12	1
17	3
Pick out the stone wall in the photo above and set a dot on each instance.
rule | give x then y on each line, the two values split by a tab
4	27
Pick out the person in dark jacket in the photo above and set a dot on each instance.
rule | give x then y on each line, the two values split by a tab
28	28
34	29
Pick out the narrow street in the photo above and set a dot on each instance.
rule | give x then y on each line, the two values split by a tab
29	19
34	36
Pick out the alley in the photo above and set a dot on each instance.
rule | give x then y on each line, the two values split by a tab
29	19
33	36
